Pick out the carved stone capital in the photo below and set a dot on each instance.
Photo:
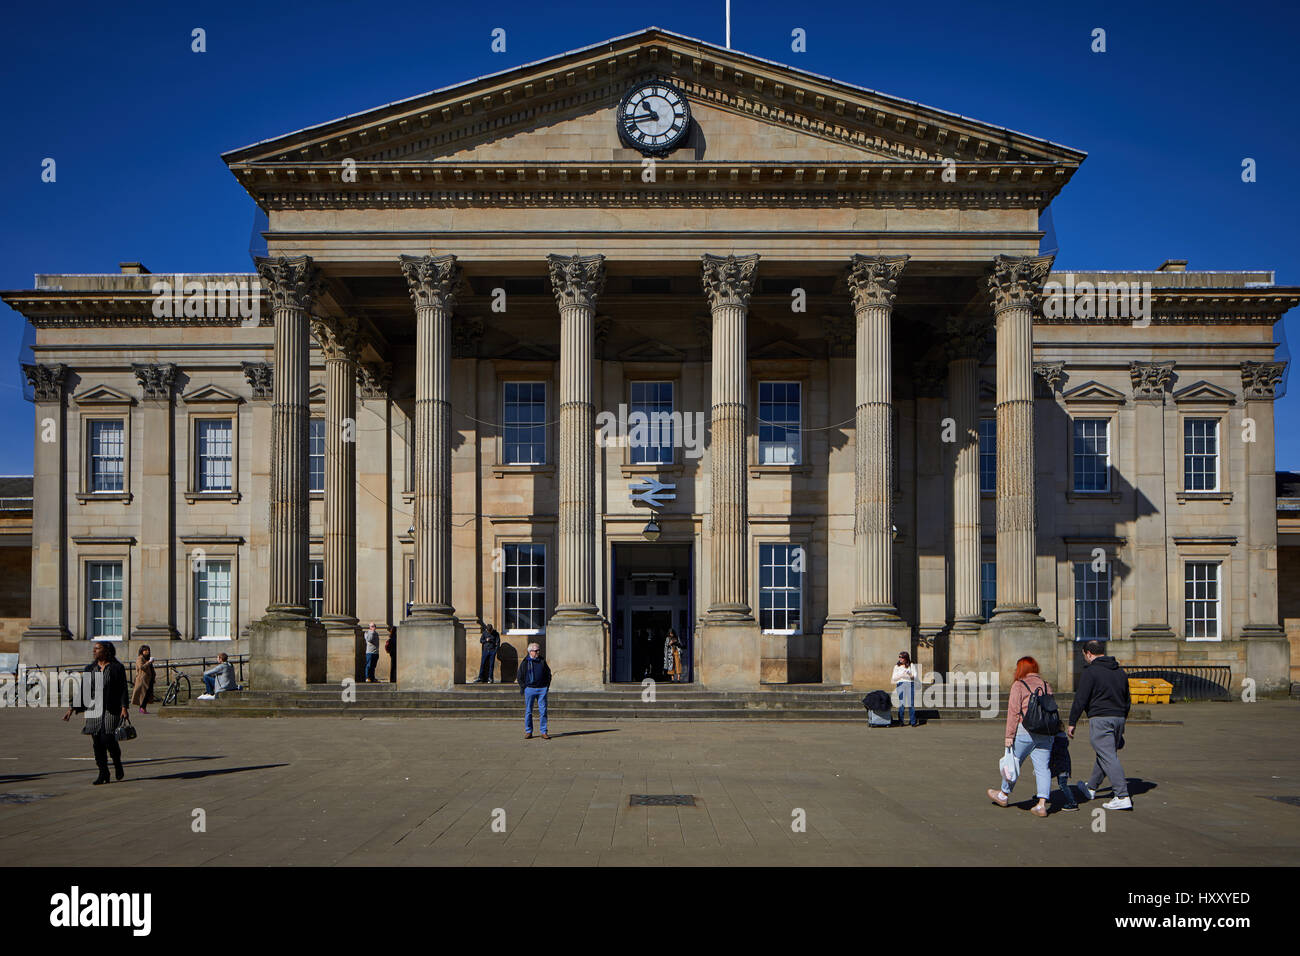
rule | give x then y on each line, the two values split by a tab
873	280
434	281
1260	379
728	280
704	331
967	338
46	380
577	280
1051	374
291	282
1017	282
466	334
373	378
841	336
338	338
261	377
929	379
156	380
604	324
1150	379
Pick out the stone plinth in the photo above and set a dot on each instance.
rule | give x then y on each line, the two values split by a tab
426	654
729	655
1006	641
875	652
575	651
286	654
345	652
1268	663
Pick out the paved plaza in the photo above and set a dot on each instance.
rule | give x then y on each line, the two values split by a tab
328	791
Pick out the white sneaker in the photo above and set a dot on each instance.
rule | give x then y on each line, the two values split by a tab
1119	803
1083	789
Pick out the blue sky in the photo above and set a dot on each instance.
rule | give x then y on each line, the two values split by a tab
137	122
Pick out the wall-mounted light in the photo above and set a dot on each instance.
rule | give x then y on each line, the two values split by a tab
651	530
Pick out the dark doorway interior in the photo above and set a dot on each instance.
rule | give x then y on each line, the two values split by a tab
652	593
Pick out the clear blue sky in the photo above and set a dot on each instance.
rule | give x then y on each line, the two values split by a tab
137	122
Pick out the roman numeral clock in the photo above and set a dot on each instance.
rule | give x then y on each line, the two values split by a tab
654	118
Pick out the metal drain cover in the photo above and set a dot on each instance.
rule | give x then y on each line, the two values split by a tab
1294	801
23	797
661	800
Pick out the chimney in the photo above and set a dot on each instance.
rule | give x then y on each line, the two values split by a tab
1173	265
133	269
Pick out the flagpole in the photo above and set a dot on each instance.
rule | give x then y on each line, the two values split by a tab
728	24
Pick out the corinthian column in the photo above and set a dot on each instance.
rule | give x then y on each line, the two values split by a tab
293	284
872	282
339	340
433	281
577	282
1015	288
965	343
728	284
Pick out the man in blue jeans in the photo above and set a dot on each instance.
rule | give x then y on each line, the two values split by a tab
372	653
534	680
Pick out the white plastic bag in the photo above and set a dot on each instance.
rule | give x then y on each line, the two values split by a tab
1009	767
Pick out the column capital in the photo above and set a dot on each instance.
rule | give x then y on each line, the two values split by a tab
261	377
967	338
1260	379
929	379
434	281
466	334
1017	281
728	280
1051	374
873	280
292	282
374	378
338	338
577	280
1150	379
841	336
46	380
156	380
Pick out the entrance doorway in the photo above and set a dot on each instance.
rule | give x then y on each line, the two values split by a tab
652	593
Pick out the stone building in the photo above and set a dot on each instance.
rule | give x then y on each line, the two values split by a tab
877	419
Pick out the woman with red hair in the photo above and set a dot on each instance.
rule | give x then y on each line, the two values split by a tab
1020	742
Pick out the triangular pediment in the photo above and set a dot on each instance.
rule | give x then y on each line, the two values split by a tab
1094	392
562	110
528	352
1205	392
316	393
780	349
103	395
651	352
209	393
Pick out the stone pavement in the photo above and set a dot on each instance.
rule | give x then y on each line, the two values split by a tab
327	791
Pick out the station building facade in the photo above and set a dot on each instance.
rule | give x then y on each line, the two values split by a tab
655	334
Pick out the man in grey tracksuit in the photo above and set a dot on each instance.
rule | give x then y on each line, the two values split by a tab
1103	694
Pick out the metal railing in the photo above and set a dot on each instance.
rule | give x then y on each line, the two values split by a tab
1191	681
165	671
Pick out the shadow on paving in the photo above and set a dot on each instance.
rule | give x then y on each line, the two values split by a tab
199	774
21	777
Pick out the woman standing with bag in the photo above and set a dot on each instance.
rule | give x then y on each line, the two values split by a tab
904	680
114	699
142	695
1028	691
673	656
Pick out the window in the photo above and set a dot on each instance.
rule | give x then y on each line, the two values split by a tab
107	455
1201	454
1201	600
651	442
410	585
215	458
1091	602
523	439
988	588
779	420
525	588
316	454
212	601
780	588
104	600
988	455
1091	454
316	588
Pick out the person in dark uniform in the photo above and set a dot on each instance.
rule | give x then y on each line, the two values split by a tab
491	643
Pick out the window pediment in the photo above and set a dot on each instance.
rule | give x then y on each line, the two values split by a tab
103	395
1208	392
212	394
1094	393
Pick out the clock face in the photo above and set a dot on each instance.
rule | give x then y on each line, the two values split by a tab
654	118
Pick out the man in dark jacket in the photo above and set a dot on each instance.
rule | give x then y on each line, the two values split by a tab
534	679
490	641
1103	695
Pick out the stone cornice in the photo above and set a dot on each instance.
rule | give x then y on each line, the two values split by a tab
576	280
873	280
728	280
434	281
291	282
1017	281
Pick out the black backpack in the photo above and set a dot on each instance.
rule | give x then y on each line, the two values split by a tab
1041	715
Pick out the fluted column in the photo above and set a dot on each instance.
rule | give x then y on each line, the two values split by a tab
293	284
1015	288
577	282
728	284
965	343
873	281
433	281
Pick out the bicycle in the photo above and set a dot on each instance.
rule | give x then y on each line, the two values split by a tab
178	691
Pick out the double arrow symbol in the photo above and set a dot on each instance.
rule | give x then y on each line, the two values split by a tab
653	492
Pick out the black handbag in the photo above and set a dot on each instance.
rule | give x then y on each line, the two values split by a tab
125	731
